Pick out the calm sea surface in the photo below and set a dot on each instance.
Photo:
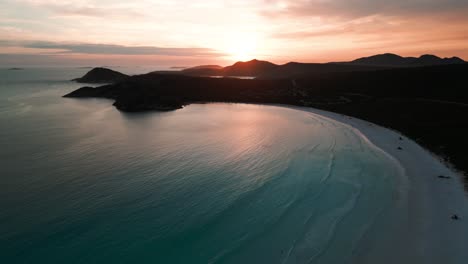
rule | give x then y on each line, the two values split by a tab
81	182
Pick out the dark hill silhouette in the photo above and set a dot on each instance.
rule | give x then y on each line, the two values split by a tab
293	70
429	59
393	60
101	75
268	70
296	69
387	59
249	68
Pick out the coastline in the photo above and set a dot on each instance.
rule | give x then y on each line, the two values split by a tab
420	226
409	99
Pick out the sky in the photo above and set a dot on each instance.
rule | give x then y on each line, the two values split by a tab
191	32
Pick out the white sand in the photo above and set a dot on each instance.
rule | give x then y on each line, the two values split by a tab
420	229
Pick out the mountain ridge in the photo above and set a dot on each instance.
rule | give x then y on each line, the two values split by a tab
265	69
390	59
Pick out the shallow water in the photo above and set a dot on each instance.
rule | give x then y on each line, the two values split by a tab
211	183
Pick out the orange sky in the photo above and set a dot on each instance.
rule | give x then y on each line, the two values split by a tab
185	33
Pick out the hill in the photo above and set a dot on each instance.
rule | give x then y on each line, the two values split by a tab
268	70
101	75
393	60
251	68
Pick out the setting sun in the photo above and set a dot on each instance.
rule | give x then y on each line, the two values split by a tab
241	47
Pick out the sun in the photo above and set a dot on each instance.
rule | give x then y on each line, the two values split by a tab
241	47
241	51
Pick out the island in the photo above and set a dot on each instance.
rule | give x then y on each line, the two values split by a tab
101	75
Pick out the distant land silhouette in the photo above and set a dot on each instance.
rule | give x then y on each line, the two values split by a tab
428	103
389	59
268	70
204	67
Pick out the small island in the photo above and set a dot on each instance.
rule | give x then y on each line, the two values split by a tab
101	75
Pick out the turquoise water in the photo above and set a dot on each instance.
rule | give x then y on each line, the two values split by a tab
211	183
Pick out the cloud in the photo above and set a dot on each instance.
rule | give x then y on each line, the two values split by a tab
88	9
155	62
359	24
360	8
372	25
283	29
110	49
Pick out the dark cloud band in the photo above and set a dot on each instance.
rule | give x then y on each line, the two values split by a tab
109	49
361	8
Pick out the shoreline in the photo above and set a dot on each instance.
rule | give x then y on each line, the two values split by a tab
424	231
420	228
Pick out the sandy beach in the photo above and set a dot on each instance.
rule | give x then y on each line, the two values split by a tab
420	228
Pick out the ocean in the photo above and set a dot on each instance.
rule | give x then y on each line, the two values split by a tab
81	182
